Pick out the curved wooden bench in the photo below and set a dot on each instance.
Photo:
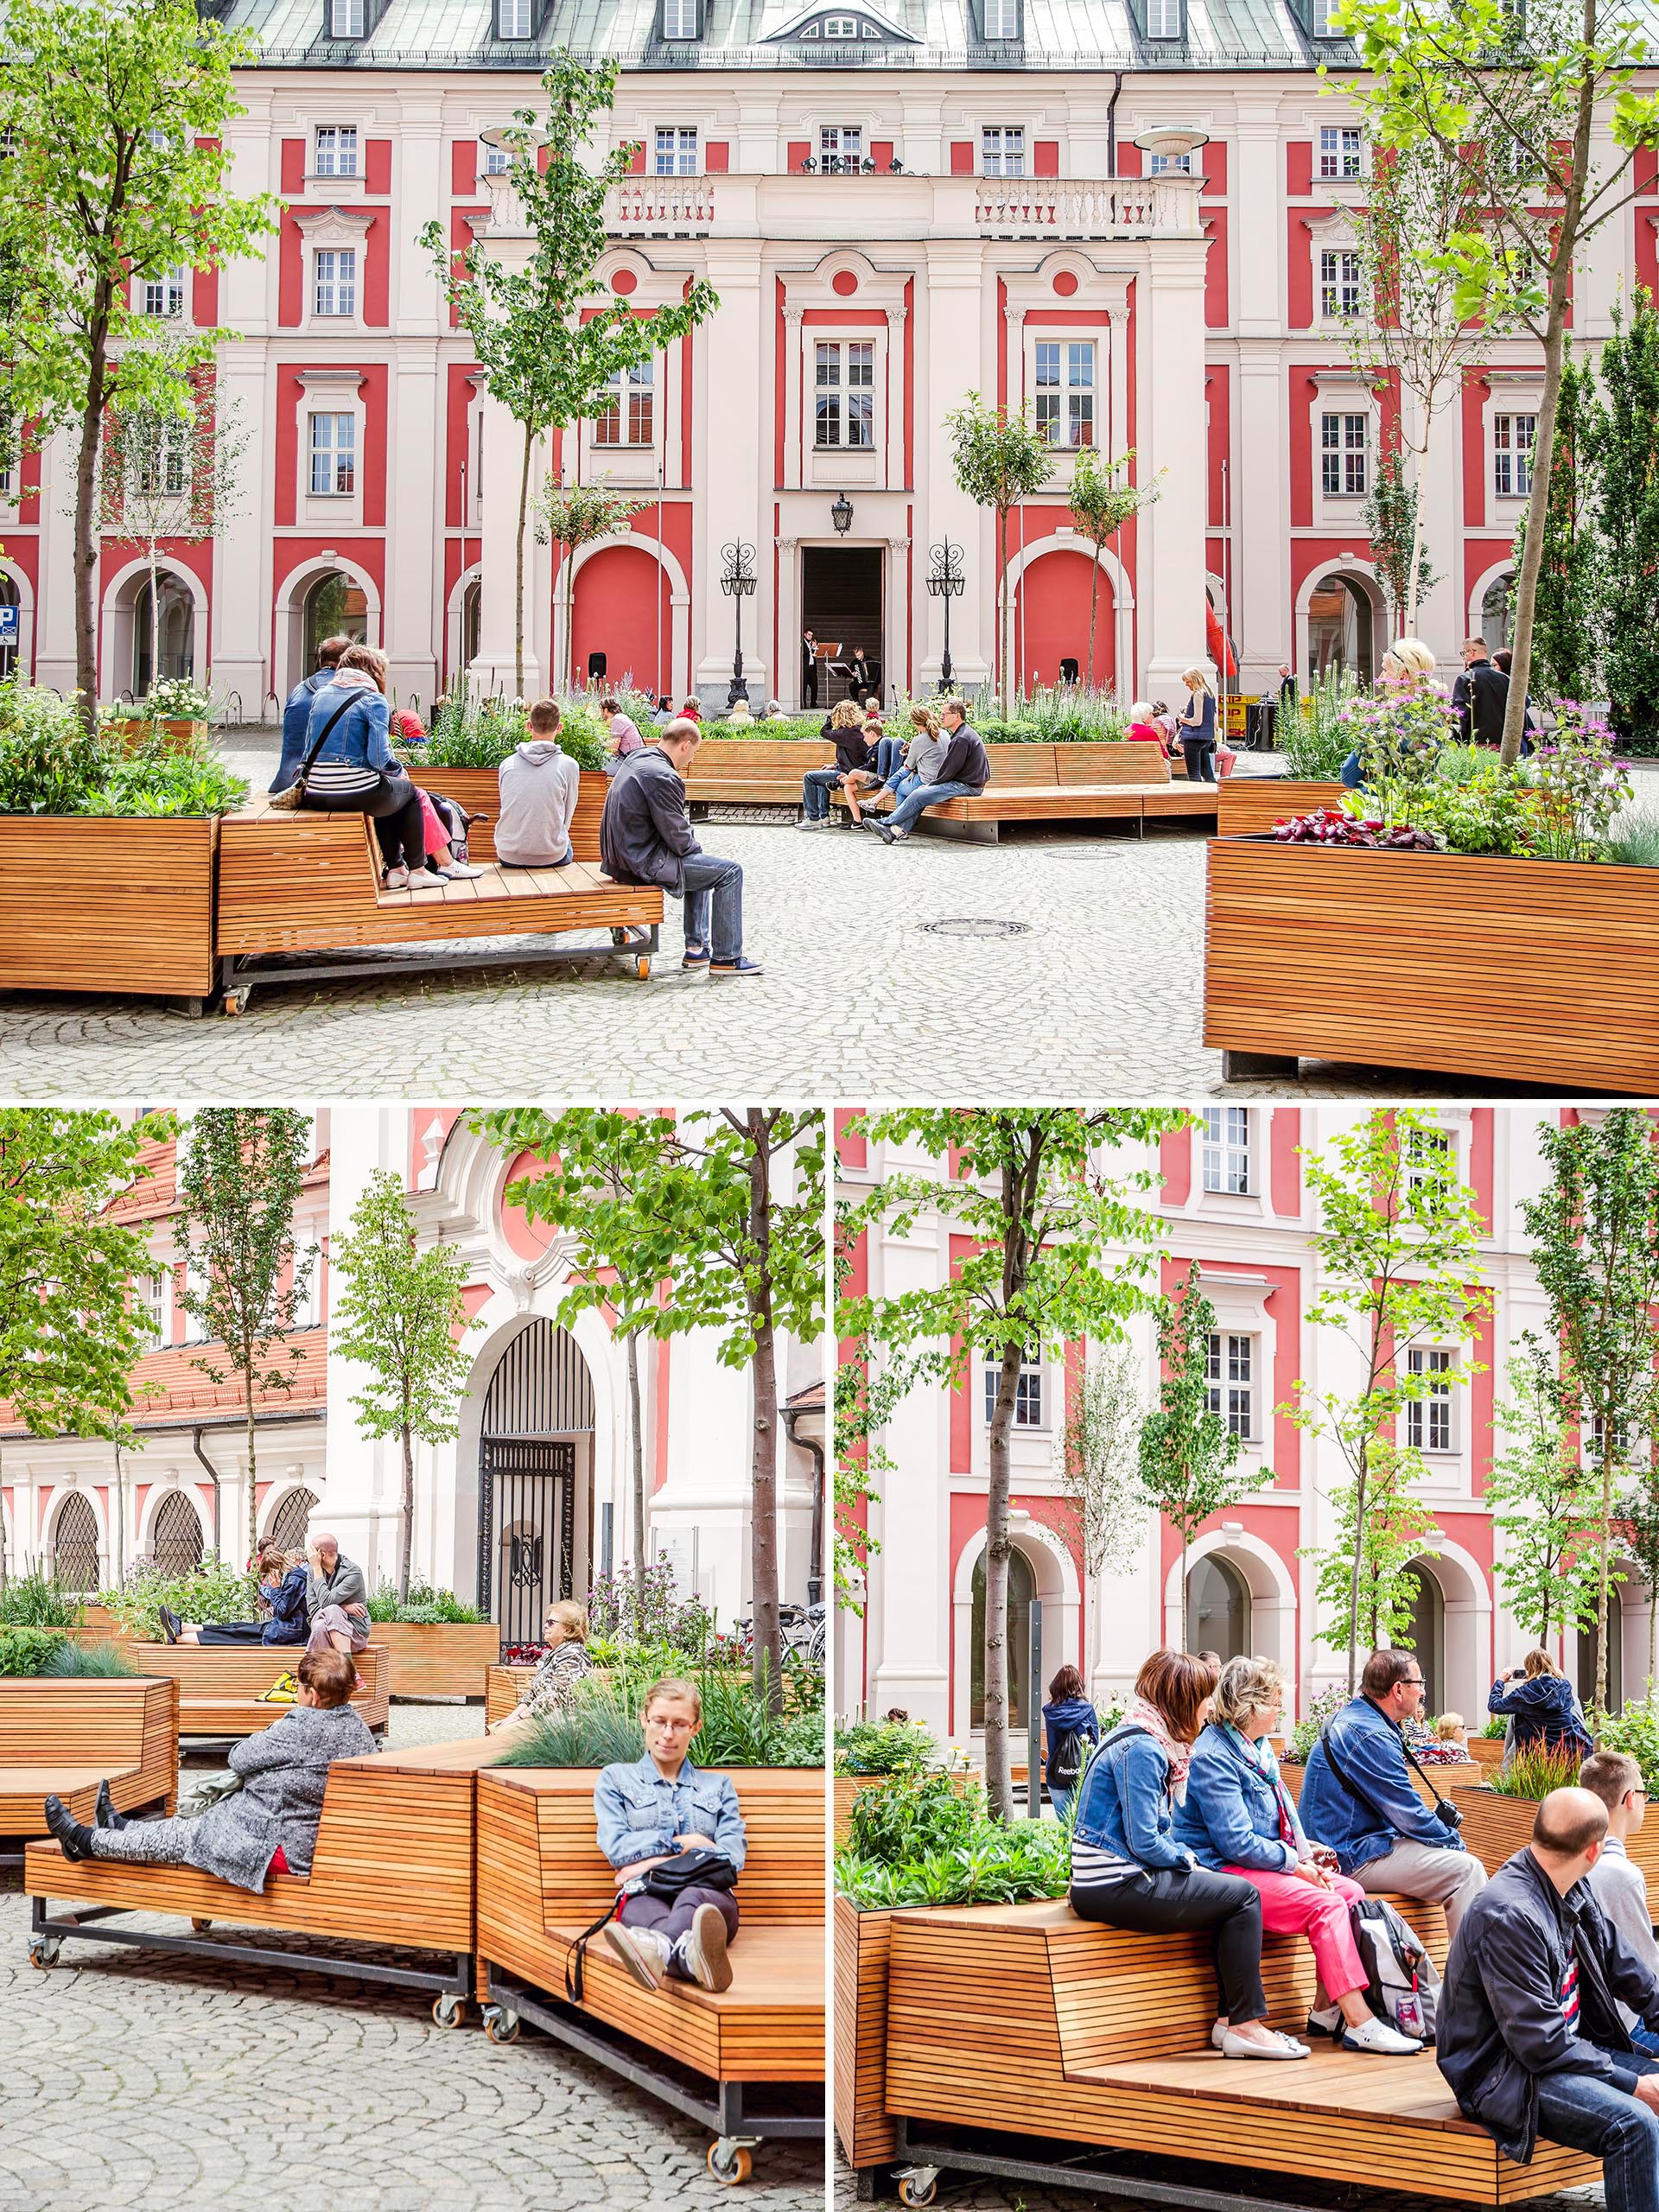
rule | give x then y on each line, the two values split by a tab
1105	782
64	1737
394	1865
754	770
543	1880
220	1683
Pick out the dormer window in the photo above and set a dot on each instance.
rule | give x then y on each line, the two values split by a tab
515	19
842	27
348	18
336	153
1002	19
682	18
1167	19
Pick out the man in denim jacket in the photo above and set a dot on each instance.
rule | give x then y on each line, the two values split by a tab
1369	1813
650	1811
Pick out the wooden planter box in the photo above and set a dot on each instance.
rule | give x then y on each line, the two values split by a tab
1306	947
1486	1751
862	1941
479	791
1250	804
847	1787
67	1736
440	1659
99	903
128	735
1495	1827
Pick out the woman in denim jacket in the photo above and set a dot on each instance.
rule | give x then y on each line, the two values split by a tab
1129	1870
1237	1818
355	772
651	1810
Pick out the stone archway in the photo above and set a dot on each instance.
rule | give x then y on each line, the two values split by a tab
1047	1561
125	625
1267	1587
303	615
535	1478
1341	621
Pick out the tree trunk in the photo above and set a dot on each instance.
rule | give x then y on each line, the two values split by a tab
1185	1550
1003	602
120	1518
154	620
253	1472
2	1527
85	553
1360	1475
518	569
999	1784
1094	608
638	1477
407	1551
763	1552
1604	1549
1416	540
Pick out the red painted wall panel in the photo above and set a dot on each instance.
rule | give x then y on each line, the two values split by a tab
1284	1168
1478	555
1218	378
1299	168
457	397
1214	269
292	168
463	167
799	151
1302	390
374	445
1645	170
852	1148
614	615
1130	162
718	157
1046	157
285	492
881	153
1481	1138
637	166
1476	391
377	275
1175	1165
1215	165
962	157
1299	273
204	298
1050	622
1647	248
376	166
290	273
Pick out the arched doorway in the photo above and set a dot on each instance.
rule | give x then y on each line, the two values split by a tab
472	616
1050	622
1341	629
1425	1636
1022	1588
622	612
534	1457
174	645
336	607
291	1519
1218	1609
175	1534
10	632
1496	621
74	1544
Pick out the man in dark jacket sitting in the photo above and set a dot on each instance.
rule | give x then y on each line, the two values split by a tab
1530	2037
965	769
646	836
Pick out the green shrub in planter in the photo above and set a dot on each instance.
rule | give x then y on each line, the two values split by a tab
81	1661
920	1843
211	1591
1306	1733
425	1605
37	1600
1635	1732
1533	1773
26	1650
895	1747
600	1726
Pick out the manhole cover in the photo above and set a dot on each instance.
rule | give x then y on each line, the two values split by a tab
975	926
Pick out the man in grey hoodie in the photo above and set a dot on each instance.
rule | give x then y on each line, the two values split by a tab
1616	1881
538	784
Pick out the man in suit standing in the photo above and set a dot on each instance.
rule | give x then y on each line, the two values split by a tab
1480	697
809	669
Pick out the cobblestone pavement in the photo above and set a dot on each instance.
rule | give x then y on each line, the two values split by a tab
1098	993
133	2080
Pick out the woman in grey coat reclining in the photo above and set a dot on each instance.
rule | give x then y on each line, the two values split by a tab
270	1825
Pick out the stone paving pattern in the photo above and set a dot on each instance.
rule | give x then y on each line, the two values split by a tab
136	2081
1101	997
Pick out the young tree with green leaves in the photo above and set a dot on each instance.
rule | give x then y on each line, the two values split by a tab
1098	1467
1099	507
1638	1512
397	1310
1394	524
168	478
1000	457
1379	1547
1397	1244
70	1328
725	1205
1570	601
1543	1502
1622	439
546	336
1522	97
240	1172
1060	1254
116	174
1595	1242
571	516
1188	1463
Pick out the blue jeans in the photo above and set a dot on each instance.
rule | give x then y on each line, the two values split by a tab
706	883
569	855
1060	1799
1589	2113
902	785
816	787
921	798
889	754
1645	2039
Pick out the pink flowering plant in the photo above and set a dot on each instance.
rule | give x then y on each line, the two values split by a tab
1398	730
1579	784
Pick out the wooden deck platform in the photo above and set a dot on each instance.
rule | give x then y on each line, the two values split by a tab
220	1684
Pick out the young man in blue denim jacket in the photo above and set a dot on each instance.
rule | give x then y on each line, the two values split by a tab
1382	1833
653	1809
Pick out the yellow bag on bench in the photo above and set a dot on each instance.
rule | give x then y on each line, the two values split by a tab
283	1691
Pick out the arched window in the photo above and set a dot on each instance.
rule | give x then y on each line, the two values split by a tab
1217	1609
8	650
334	608
1341	628
1496	621
1425	1638
472	607
1022	1588
175	646
74	1544
291	1519
175	1534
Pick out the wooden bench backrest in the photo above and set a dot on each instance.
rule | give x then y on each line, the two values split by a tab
503	1687
479	790
1022	764
1111	763
783	1879
221	1670
108	1723
788	756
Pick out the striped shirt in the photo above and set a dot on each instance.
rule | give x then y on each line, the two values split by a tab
1570	1991
1093	1867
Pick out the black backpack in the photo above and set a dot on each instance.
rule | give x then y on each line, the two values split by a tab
1071	1756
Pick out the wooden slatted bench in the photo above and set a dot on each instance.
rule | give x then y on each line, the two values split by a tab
503	1687
754	770
220	1683
749	2062
1107	782
394	1865
292	883
1250	804
1027	2020
64	1737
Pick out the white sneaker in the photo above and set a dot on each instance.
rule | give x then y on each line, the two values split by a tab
456	869
1328	2022
703	1949
423	879
1378	2037
806	824
641	1950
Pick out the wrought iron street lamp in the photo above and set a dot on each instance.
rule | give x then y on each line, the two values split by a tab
842	514
737	581
946	580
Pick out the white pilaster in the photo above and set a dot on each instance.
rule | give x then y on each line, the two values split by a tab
735	360
1261	487
1171	386
948	367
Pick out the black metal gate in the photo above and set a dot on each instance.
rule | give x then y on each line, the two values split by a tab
540	1393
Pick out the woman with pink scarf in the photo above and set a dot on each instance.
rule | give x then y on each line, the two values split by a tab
1129	1870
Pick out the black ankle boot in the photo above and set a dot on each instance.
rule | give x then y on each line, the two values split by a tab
77	1840
171	1624
104	1812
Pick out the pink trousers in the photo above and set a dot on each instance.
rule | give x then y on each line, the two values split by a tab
1291	1906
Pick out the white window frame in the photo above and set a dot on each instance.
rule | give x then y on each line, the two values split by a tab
1232	1361
341	155
195	1278
498	160
165	296
841	388
1342	152
348	18
833	139
1512	452
1003	150
1059	406
679	18
1169	164
1420	1142
1164	19
1431	1422
1226	1149
1029	1393
153	1295
332	451
1001	20
1319	16
681	156
528	7
307	1307
1351	457
173	452
342	283
1341	279
628	386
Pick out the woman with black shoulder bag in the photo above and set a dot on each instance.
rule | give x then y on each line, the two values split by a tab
350	768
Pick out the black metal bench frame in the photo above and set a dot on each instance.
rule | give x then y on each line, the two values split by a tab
637	944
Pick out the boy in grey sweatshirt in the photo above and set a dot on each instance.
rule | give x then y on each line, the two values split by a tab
538	784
